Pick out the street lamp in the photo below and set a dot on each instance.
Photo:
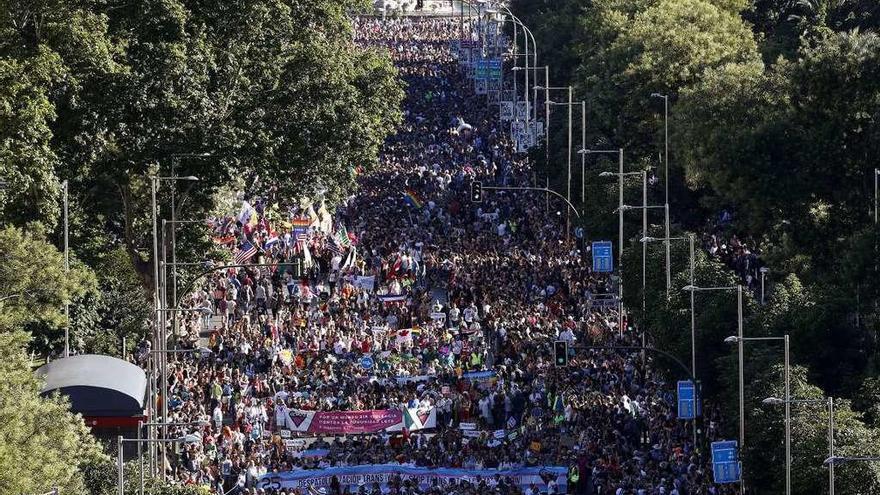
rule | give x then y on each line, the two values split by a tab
692	288
666	173
119	443
833	460
842	459
158	334
583	105
546	69
619	152
141	425
665	208
787	372
774	401
528	33
876	175
568	176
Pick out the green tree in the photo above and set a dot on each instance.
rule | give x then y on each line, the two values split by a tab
42	444
34	283
809	435
663	48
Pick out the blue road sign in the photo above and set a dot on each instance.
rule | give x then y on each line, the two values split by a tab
603	258
688	400
725	462
366	362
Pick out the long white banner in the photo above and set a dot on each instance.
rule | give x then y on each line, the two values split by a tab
368	474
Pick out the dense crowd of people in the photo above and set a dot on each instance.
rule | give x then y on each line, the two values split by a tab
738	254
438	291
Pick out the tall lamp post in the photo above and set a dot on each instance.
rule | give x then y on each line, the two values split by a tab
690	239
65	201
666	177
547	104
644	215
158	333
739	339
829	402
833	460
583	105
141	425
739	330
120	441
619	153
876	175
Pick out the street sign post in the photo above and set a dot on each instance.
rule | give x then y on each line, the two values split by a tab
725	461
603	258
688	400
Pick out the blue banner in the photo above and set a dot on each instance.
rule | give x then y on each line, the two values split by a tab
368	474
478	375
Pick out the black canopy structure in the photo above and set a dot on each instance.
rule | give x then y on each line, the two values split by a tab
97	386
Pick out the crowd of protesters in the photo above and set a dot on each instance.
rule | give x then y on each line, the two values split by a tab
480	287
738	254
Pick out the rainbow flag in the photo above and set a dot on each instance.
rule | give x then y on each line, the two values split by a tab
412	198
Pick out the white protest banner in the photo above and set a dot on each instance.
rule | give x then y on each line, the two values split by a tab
467	426
506	111
365	283
352	476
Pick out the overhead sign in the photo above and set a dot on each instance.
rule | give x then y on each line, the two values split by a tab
688	401
725	461
603	258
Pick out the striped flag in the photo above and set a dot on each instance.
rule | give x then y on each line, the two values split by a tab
245	252
393	299
342	237
271	241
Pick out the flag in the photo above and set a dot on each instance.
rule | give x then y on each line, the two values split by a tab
333	248
412	198
342	237
300	225
393	299
300	243
350	259
307	255
229	239
245	252
271	241
244	215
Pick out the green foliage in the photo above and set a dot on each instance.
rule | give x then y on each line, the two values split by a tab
101	478
809	437
662	48
34	283
42	445
108	95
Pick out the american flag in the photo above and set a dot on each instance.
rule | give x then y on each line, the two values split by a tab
300	242
245	252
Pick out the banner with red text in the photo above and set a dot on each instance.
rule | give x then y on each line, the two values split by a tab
347	422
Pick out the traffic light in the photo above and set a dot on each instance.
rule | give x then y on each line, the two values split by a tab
560	353
476	192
